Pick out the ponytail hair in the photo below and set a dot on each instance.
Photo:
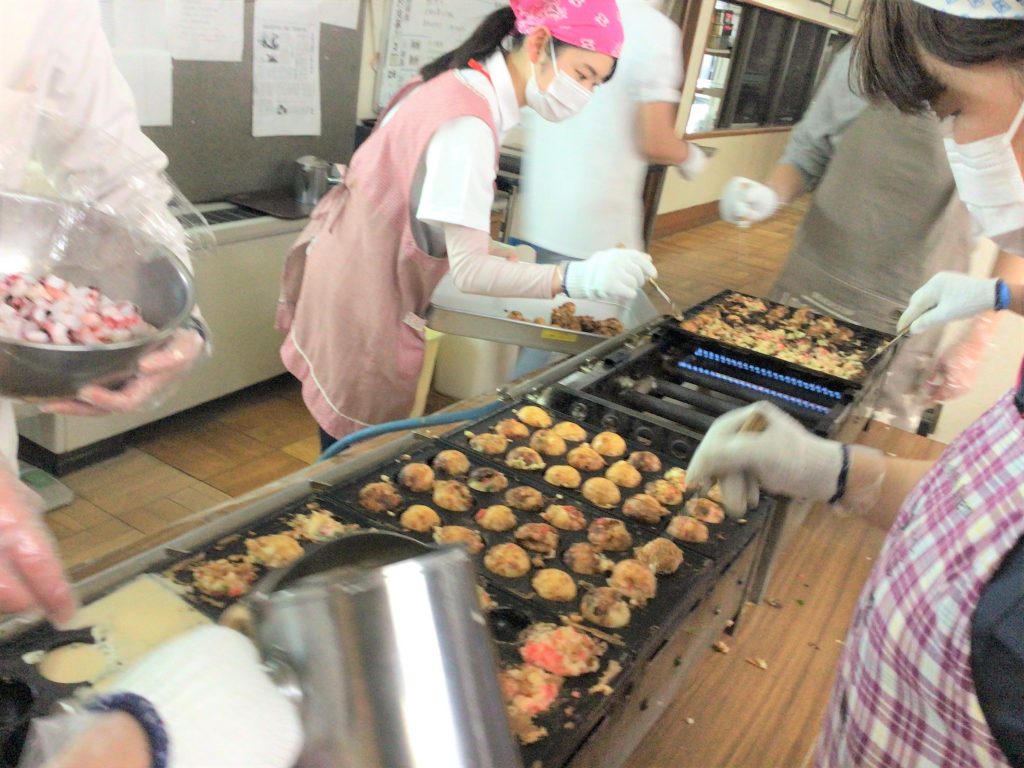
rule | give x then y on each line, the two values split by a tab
485	40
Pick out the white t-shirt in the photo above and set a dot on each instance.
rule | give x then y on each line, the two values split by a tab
582	179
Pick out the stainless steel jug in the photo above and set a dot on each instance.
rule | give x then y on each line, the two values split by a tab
310	179
382	644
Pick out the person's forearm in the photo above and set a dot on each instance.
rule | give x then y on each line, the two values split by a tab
658	140
900	477
787	181
475	270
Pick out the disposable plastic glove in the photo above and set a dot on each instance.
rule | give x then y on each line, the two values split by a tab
31	576
947	296
215	700
614	275
957	368
745	201
694	164
148	388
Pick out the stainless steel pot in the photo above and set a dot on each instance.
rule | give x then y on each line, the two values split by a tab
310	179
381	642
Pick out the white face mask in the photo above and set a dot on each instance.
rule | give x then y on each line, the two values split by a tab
563	98
990	183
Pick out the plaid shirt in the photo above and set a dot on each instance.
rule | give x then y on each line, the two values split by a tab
904	696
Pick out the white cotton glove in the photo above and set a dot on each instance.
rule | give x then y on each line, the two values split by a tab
694	164
947	296
784	458
614	275
745	201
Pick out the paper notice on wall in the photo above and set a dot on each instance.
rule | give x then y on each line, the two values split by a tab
150	77
139	25
207	30
340	13
286	68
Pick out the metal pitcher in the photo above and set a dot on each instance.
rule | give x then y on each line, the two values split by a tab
310	179
381	642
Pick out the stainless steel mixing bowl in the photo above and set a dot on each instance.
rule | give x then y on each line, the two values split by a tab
87	247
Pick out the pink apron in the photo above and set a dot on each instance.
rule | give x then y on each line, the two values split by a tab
357	339
904	696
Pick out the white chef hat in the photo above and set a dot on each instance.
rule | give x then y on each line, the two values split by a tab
979	9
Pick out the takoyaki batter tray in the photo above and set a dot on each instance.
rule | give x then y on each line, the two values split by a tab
676	592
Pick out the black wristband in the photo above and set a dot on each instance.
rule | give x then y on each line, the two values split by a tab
147	717
844	472
565	276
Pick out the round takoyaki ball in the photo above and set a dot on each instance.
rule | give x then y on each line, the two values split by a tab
715	493
534	416
608	444
563	476
453	496
420	518
586	459
524	458
609	534
497	517
601	492
705	510
586	559
644	508
508	560
457	534
677	476
555	585
664	492
524	498
605	608
645	461
537	537
661	555
489	443
487	480
686	528
565	516
634	580
546	442
418	478
570	431
453	463
512	429
379	497
624	474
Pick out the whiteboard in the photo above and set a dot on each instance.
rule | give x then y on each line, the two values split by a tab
417	32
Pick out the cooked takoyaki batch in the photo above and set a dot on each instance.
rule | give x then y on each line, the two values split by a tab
601	492
487	480
524	498
565	517
318	525
660	555
644	508
555	585
525	459
512	429
609	534
635	580
537	537
570	431
226	577
452	463
624	475
563	476
508	560
686	528
534	416
677	476
645	461
586	459
665	492
457	534
489	443
705	510
605	607
453	496
419	518
274	550
608	444
418	478
560	650
379	497
586	559
497	517
547	443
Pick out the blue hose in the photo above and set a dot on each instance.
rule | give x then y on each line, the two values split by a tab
423	421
